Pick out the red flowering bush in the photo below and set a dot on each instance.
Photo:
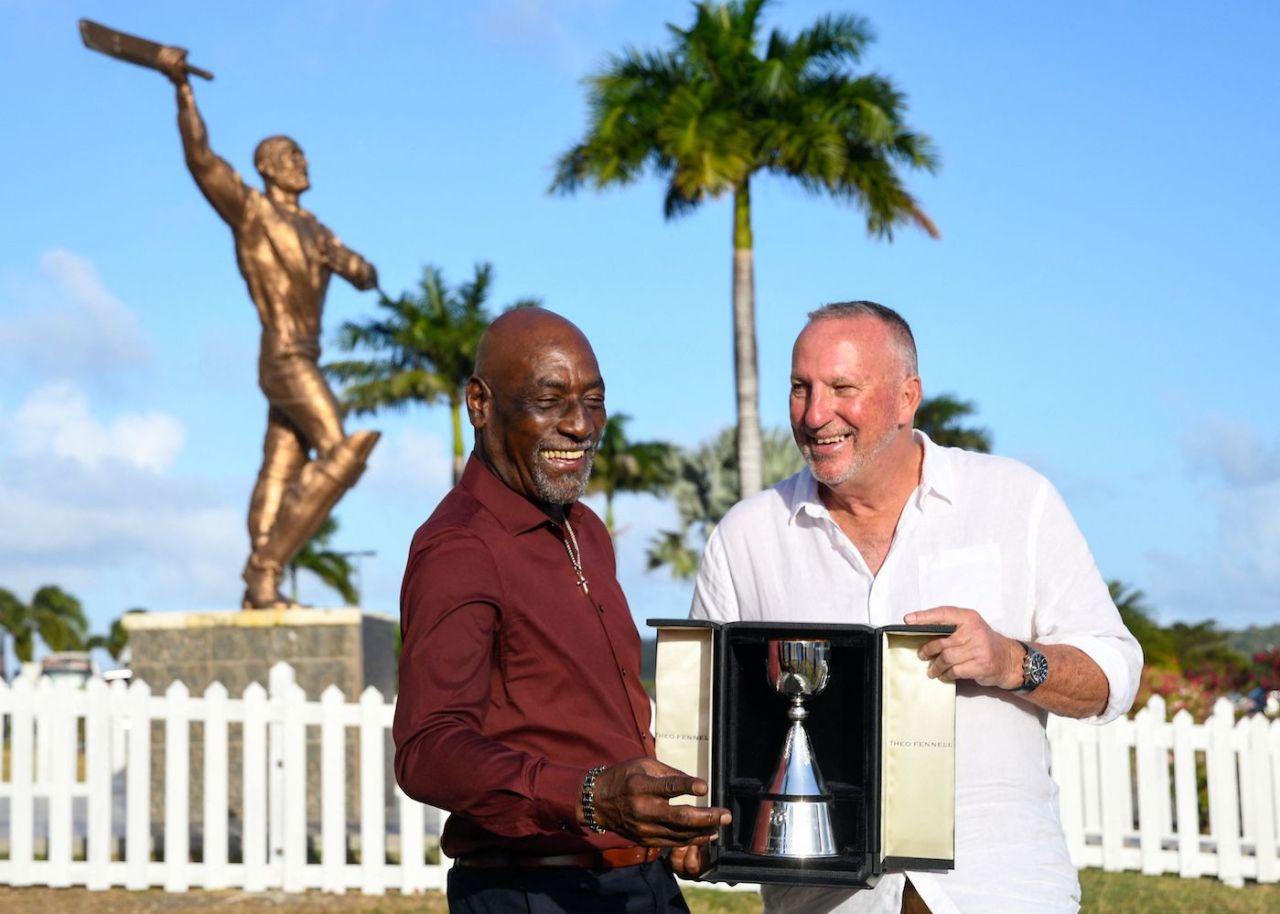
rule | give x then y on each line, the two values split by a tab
1179	692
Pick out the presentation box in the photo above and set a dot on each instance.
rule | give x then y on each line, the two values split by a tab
882	732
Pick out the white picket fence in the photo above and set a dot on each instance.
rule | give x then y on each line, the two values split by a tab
63	827
1159	796
1130	791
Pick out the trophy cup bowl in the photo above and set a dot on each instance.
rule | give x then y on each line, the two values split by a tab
794	819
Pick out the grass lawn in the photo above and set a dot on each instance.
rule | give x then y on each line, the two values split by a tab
1104	893
1129	893
712	901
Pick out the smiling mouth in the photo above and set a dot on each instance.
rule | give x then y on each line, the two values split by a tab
564	455
829	439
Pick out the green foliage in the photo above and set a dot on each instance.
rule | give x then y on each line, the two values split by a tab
939	418
705	486
623	465
116	639
719	106
1190	664
1158	649
14	623
1203	651
53	615
1255	638
334	569
1198	648
422	349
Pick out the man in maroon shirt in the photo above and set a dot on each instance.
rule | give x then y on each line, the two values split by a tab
521	709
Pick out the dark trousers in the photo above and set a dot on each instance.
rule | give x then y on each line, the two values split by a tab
648	888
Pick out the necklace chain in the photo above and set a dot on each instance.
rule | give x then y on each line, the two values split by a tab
575	554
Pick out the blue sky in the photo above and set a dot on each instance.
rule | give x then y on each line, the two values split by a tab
1105	288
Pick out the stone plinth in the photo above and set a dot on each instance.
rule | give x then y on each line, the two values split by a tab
344	647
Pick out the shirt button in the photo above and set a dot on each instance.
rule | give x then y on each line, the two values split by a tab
624	671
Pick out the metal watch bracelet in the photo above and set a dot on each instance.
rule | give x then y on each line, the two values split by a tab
589	798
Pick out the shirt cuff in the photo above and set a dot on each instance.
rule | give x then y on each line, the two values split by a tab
560	789
1122	673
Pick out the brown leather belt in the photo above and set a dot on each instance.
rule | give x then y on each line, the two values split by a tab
495	858
912	903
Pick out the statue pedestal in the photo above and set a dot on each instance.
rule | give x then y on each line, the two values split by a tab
348	648
344	647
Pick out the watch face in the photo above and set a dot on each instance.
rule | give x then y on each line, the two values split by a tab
1035	668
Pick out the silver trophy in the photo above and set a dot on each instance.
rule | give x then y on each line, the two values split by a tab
795	815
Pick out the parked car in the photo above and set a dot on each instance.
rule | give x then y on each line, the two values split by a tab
74	665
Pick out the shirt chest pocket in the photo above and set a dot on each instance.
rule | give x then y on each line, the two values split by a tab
969	578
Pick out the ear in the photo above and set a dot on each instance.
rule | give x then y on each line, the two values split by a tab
910	396
479	402
268	169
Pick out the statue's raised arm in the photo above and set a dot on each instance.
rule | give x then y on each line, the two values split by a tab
216	179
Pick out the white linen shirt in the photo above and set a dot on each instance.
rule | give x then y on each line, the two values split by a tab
980	532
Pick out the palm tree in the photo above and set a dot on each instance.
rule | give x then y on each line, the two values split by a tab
623	465
53	615
705	486
1158	648
938	417
334	569
713	111
59	619
116	639
13	624
423	349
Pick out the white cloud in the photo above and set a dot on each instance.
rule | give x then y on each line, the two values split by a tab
1249	530
1233	451
553	28
1234	575
411	460
55	421
88	504
72	326
525	20
119	535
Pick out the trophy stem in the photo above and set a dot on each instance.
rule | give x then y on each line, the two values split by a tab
797	773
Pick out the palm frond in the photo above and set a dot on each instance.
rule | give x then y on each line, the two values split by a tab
421	348
703	482
940	418
715	107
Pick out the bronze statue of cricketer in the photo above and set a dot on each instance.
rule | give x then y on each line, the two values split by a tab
286	257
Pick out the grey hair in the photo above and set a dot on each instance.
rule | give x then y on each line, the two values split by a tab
903	339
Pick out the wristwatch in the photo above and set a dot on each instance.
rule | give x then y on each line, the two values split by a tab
1035	669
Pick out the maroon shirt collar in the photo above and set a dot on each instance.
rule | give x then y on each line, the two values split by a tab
515	513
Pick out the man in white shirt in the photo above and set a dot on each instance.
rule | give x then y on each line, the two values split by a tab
885	527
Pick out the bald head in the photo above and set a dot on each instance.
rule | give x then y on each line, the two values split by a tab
536	401
281	163
516	335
